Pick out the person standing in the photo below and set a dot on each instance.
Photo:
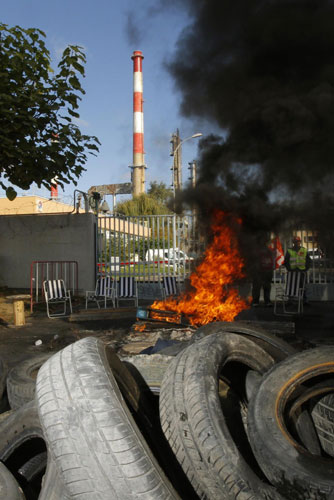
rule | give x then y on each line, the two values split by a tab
298	260
262	276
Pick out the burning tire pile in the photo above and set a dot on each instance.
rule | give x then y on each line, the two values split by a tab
240	415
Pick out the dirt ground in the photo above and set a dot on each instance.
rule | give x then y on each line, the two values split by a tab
117	328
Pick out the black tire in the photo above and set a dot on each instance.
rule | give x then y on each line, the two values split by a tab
21	439
274	345
3	395
195	426
21	380
92	437
3	375
35	466
9	487
295	472
323	418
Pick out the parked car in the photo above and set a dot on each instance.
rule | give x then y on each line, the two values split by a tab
166	254
318	258
316	254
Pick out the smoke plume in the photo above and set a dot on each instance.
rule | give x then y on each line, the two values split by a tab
263	71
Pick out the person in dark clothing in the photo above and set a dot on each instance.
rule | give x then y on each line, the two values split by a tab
262	275
298	260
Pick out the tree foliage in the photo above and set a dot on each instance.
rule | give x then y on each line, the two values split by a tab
38	138
160	192
152	203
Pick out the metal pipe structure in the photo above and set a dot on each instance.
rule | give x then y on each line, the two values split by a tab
193	172
194	136
138	167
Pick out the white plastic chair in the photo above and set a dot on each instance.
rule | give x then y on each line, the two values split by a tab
126	289
104	292
290	294
55	293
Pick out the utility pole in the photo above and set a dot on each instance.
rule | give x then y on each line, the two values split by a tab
177	164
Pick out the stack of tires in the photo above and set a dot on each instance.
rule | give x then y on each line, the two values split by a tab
237	414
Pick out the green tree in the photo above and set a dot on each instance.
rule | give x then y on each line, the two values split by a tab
160	192
152	203
38	139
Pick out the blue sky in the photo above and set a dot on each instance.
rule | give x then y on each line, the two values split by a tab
103	29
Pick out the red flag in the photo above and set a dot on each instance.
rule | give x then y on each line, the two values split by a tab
276	247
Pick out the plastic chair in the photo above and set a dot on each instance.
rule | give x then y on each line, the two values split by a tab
290	294
126	289
55	293
168	287
104	292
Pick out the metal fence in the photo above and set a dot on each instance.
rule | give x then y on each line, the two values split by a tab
150	247
322	263
147	247
42	270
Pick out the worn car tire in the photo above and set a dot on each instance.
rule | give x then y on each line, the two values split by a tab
323	418
9	487
274	345
195	426
21	439
295	472
144	406
21	380
3	375
92	437
3	395
52	486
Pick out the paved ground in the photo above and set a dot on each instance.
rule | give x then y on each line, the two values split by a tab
316	325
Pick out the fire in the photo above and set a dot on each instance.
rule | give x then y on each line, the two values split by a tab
140	327
156	315
212	297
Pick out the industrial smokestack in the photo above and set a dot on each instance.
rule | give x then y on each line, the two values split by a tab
138	166
54	188
193	172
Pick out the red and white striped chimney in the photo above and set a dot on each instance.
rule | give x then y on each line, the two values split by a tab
54	188
138	167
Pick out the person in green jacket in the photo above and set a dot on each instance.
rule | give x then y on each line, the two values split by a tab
297	259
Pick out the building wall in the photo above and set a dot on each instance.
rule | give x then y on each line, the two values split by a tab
28	238
33	205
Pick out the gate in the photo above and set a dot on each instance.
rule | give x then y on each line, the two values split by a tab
147	247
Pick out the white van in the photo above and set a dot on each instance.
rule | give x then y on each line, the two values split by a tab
160	254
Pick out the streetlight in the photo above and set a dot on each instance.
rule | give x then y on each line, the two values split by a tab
194	136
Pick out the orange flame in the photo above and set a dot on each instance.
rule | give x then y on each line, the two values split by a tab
139	328
212	297
176	318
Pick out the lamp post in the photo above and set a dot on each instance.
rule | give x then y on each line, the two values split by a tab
194	136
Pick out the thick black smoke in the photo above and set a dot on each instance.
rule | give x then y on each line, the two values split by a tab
264	72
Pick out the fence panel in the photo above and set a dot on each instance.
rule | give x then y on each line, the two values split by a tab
151	247
322	264
147	247
42	270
